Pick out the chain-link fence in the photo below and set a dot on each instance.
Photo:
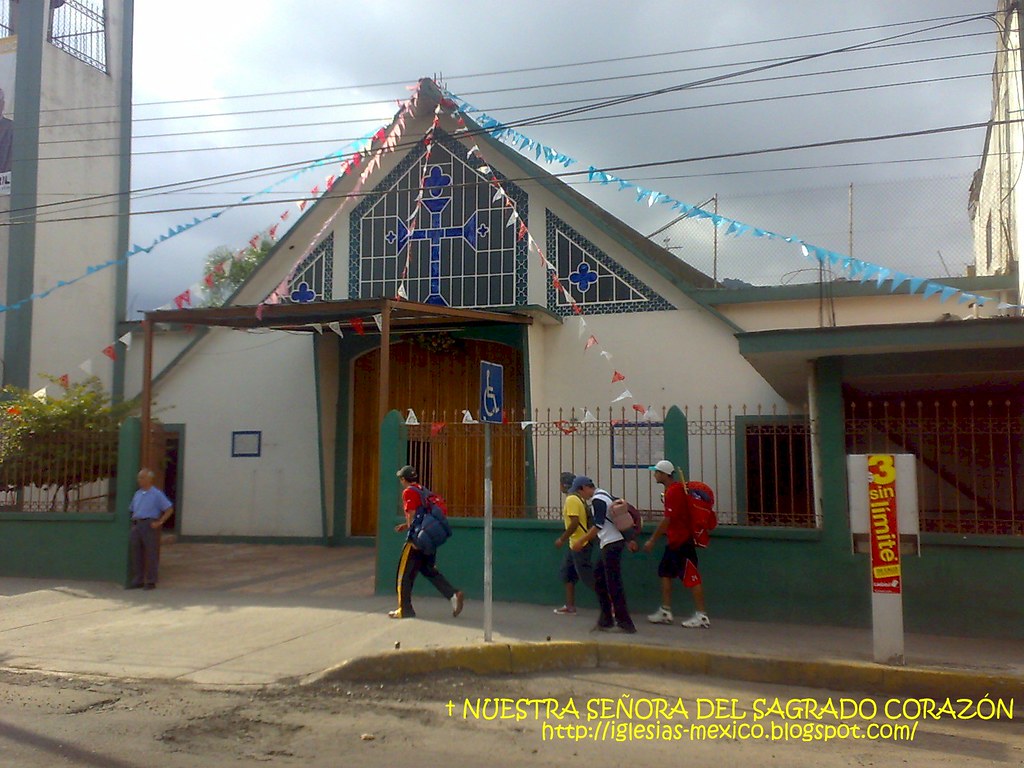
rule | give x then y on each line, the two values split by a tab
917	226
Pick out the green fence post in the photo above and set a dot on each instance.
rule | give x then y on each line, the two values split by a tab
677	440
393	455
129	448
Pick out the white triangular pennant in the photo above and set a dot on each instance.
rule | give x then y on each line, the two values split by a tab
582	328
379	320
86	366
126	340
467	418
588	417
402	293
317	327
525	424
336	327
40	395
606	355
411	419
626	394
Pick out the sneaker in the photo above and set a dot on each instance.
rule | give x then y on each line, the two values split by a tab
566	610
457	600
699	620
628	629
661	616
397	614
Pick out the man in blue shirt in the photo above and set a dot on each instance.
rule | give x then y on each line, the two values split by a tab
150	509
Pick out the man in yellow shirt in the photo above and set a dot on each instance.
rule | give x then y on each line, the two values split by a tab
576	566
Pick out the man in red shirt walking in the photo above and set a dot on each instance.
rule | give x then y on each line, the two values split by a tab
679	559
414	560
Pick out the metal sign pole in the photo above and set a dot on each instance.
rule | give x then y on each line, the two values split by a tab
492	405
488	536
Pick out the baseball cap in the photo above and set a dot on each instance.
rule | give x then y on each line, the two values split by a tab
580	482
664	466
407	472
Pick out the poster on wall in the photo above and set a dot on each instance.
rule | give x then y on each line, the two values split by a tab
8	57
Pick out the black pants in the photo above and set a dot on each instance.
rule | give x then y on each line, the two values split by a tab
145	549
412	562
608	584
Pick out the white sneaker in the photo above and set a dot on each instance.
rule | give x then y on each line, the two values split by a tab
699	620
661	616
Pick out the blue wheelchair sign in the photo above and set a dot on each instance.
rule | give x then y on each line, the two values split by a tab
492	396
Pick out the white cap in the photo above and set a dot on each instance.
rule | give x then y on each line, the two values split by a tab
664	466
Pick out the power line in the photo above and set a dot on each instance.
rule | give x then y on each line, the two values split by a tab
540	68
635	97
372	102
532	121
284	126
618	168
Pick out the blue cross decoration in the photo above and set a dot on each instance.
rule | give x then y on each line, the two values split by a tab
303	294
435	185
583	277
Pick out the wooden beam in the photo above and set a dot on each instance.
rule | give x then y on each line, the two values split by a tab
385	362
147	392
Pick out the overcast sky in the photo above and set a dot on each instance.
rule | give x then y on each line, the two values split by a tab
327	59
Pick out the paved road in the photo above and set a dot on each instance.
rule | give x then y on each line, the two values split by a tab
47	721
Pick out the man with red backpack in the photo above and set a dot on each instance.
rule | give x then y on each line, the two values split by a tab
427	528
679	560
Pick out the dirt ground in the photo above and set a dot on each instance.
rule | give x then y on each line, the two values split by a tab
64	721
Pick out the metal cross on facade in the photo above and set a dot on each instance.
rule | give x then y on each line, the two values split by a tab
435	184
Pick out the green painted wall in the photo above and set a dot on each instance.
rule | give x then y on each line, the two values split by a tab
92	547
753	574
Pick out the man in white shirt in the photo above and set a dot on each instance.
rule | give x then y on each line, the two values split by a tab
608	573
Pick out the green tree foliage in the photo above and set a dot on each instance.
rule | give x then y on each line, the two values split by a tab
228	273
61	443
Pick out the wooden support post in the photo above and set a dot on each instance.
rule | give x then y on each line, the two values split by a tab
147	393
385	361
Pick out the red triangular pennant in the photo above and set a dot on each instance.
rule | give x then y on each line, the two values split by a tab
65	381
183	298
591	341
254	241
522	231
110	352
436	427
285	215
617	377
209	279
556	282
273	232
577	309
358	326
640	409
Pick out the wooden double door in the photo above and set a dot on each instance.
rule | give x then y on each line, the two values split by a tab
437	382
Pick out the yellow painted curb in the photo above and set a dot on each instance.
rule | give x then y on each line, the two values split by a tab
527	658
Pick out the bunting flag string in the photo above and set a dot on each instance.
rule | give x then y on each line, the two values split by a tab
350	150
507	135
523	231
856	268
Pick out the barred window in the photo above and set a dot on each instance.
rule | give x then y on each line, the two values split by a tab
775	481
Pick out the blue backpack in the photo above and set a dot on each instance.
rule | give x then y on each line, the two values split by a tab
430	528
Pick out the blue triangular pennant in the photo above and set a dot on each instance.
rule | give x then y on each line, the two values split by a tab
930	289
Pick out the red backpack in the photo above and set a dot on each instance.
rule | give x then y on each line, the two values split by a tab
702	511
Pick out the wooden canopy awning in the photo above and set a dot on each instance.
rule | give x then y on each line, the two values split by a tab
394	315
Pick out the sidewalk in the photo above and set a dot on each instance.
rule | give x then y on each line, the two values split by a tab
233	618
